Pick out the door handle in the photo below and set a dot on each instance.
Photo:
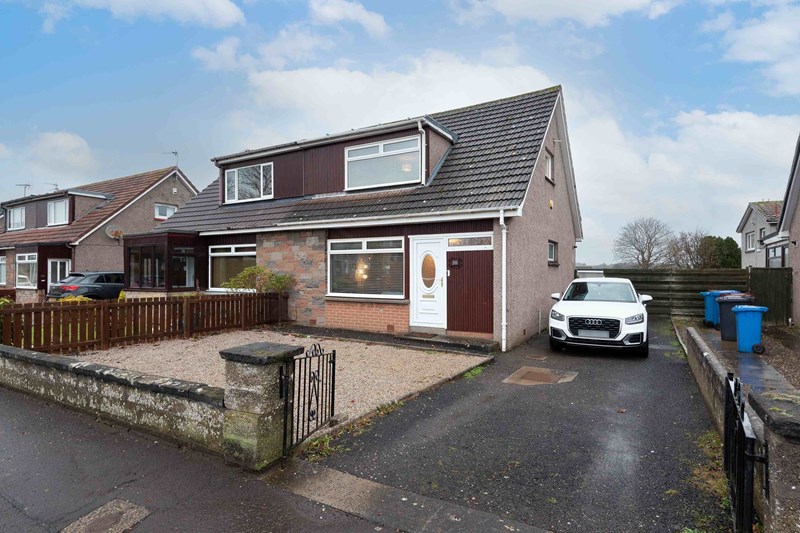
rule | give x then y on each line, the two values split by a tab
441	281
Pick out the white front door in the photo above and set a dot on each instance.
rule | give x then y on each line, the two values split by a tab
57	269
428	280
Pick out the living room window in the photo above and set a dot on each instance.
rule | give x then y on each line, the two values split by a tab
247	184
366	268
57	212
2	271
16	218
27	270
383	164
228	261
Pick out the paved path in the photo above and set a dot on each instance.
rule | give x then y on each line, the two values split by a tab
612	450
57	466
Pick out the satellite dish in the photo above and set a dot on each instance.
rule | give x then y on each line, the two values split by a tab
114	231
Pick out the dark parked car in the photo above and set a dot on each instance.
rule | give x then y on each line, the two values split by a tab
95	285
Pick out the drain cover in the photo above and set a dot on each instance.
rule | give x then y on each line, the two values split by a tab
531	375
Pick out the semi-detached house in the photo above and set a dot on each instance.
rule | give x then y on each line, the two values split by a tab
461	222
46	236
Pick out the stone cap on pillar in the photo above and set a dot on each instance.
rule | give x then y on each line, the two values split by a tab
261	353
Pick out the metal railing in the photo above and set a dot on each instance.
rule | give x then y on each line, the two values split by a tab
739	456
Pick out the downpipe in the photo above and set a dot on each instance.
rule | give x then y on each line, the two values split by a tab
503	299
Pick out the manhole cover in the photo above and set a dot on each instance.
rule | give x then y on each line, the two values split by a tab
531	375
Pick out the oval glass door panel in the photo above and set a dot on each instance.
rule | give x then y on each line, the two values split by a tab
428	271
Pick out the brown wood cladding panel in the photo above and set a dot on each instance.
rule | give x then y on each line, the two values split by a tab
470	292
433	228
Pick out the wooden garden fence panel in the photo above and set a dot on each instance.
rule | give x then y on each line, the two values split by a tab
67	327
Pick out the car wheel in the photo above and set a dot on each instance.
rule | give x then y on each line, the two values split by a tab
555	345
644	349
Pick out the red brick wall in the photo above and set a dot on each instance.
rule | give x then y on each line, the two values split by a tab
362	316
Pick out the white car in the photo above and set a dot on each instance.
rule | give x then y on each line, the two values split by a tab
600	312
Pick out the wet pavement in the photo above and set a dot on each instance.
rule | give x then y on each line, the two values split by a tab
752	369
614	449
59	467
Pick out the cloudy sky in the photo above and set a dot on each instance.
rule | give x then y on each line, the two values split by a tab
680	109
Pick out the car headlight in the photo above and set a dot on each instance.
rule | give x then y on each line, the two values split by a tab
555	315
635	319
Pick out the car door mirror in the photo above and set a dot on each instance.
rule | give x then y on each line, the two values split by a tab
556	296
646	298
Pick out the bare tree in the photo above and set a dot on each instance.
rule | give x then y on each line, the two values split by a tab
645	242
692	249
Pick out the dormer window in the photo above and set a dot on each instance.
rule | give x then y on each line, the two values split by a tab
383	164
247	184
57	212
16	218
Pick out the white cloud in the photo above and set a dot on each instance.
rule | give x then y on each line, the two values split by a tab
594	13
52	13
336	11
60	154
212	13
223	56
507	52
722	22
771	40
5	151
293	44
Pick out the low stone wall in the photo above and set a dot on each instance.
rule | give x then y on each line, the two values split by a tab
775	418
243	422
184	411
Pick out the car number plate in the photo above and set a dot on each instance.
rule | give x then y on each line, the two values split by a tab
593	333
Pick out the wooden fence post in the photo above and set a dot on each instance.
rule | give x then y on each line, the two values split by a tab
187	317
243	300
105	325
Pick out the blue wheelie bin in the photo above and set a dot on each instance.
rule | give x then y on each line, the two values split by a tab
748	328
712	307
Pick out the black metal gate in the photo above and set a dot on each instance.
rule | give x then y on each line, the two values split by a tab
308	389
739	457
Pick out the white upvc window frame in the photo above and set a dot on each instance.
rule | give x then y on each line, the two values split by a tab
762	232
347	159
10	217
548	166
235	173
51	212
236	250
3	270
364	250
471	247
26	259
162	217
750	241
552	246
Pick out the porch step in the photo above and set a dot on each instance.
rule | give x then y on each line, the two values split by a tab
463	343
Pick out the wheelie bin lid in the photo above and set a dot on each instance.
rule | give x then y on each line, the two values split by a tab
712	292
749	308
736	297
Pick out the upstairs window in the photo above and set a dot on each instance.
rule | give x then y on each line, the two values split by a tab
57	212
249	183
164	211
548	166
750	241
383	164
16	218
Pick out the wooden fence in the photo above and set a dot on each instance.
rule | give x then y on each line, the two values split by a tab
66	327
677	292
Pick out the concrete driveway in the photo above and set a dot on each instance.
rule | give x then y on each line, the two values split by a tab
615	449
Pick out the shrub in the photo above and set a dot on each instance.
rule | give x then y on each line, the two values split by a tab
5	301
75	299
259	279
122	296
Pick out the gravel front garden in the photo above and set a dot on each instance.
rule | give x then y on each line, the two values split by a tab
367	375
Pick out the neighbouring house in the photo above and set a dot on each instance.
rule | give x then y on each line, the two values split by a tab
461	222
788	234
759	222
81	228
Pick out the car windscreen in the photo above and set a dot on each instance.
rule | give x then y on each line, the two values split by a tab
599	291
73	278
